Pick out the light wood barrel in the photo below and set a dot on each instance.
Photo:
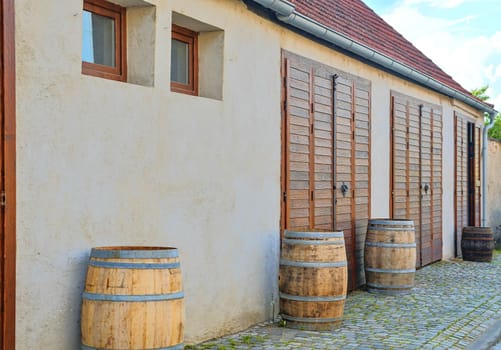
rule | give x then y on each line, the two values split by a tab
390	256
133	299
477	243
313	279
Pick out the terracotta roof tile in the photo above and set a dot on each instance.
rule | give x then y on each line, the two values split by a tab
360	23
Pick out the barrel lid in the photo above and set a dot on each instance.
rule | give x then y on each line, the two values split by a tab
130	252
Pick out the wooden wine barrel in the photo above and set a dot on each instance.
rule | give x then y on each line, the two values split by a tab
133	299
477	243
390	256
313	279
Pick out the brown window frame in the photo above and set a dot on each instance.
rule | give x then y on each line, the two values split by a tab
191	38
118	14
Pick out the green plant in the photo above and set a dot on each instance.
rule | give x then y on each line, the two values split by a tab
495	132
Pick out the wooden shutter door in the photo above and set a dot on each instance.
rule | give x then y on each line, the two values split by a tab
344	171
297	142
362	183
425	186
461	180
414	177
478	207
436	184
323	195
416	173
326	158
399	155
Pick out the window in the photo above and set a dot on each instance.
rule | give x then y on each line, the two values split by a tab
103	40
184	61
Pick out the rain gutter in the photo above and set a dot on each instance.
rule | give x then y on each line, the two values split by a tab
286	13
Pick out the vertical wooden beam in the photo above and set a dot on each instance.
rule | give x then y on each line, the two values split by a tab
370	155
392	155
407	158
284	153
456	236
353	189
9	174
334	138
420	184
312	150
432	187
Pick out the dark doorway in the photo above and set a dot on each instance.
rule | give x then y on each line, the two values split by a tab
471	173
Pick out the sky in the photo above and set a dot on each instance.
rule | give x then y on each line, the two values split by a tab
463	37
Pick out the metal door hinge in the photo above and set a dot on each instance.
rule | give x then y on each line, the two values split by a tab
3	198
284	196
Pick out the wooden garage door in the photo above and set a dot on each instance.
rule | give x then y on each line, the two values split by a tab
467	175
416	179
325	174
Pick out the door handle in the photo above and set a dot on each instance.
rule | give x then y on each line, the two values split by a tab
344	189
426	188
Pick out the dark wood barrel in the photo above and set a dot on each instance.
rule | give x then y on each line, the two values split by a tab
313	279
133	299
390	256
477	243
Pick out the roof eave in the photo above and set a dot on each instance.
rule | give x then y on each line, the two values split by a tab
286	13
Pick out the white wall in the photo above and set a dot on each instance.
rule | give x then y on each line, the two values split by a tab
494	187
108	163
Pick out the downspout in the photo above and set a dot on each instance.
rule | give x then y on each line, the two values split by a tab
492	119
285	12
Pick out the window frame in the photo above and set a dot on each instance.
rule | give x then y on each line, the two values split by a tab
118	14
191	38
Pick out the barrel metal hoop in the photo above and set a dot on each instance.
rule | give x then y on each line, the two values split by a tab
132	298
173	347
310	242
391	222
319	235
389	291
133	254
310	319
315	298
129	265
371	269
385	286
390	245
403	229
312	264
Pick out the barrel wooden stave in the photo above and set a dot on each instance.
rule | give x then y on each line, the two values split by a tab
324	282
119	308
477	244
313	296
390	256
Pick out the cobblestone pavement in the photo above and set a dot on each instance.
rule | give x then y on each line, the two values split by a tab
453	303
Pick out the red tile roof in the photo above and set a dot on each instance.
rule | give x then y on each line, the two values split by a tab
357	21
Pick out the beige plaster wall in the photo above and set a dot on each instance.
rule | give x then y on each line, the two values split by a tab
108	163
494	186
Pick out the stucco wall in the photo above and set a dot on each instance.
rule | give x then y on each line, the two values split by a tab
494	187
108	163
